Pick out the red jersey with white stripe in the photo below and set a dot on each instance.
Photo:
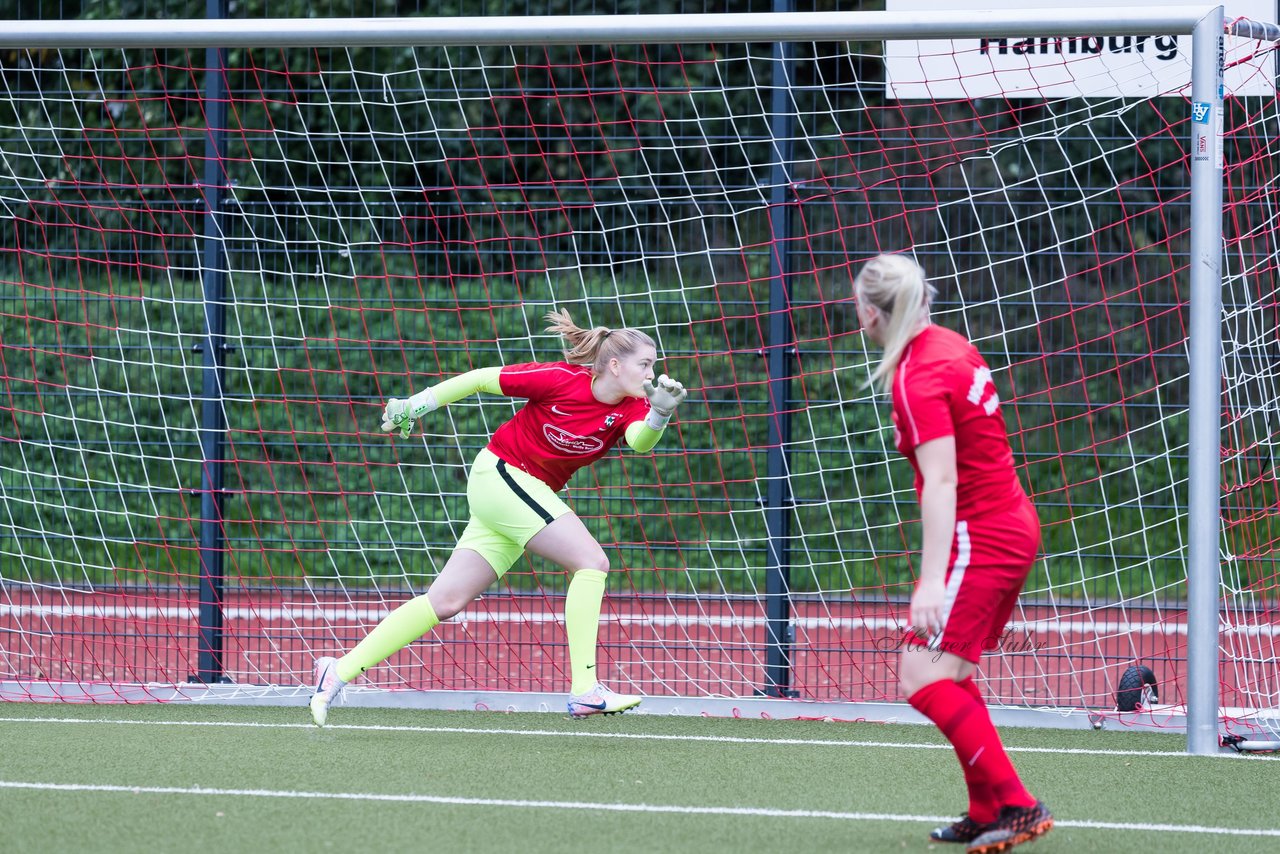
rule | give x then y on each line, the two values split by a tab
563	427
943	388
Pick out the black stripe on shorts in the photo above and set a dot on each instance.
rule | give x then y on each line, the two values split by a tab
524	496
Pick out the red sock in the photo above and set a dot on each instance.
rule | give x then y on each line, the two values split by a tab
964	720
982	805
972	688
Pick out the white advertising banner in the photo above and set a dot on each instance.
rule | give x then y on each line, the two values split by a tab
1040	67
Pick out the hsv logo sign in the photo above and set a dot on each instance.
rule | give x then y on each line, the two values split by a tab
571	443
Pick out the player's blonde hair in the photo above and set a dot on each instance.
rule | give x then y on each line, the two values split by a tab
597	345
896	285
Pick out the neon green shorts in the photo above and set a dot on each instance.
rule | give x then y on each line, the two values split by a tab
508	506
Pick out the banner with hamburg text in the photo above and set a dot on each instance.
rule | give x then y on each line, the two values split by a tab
1068	66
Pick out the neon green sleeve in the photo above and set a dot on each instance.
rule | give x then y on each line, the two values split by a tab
641	438
456	388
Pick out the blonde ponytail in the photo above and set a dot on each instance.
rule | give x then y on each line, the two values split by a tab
597	345
896	286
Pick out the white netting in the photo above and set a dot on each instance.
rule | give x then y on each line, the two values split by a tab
392	216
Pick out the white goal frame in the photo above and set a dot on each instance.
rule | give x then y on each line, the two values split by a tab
1204	23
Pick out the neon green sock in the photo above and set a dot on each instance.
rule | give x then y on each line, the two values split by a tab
582	625
401	627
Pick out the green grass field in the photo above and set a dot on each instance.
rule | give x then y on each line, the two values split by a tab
186	778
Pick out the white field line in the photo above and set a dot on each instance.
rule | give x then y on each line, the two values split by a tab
374	613
679	809
627	736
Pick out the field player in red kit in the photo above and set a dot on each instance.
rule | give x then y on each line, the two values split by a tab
980	538
603	393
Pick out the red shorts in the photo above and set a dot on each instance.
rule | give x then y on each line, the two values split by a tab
990	561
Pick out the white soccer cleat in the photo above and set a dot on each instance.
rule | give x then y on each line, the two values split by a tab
600	701
328	688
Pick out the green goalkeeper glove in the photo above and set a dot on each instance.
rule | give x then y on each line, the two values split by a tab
396	417
400	415
663	400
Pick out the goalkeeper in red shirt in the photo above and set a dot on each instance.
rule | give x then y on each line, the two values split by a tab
602	393
980	538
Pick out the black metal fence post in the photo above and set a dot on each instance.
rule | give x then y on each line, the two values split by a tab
780	362
213	348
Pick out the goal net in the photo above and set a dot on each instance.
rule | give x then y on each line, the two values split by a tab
206	295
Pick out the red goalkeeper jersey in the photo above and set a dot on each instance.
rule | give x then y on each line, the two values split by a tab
943	388
563	427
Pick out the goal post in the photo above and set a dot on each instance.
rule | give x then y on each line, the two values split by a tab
1204	342
221	264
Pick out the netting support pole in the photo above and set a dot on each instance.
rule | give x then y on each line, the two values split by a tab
210	664
780	354
1205	353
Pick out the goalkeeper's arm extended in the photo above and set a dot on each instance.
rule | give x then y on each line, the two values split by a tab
400	415
664	397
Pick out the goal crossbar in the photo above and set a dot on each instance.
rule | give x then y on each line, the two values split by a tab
596	29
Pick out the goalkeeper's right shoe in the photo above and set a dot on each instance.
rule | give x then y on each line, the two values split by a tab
328	688
600	701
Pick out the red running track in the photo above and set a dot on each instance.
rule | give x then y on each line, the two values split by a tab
844	649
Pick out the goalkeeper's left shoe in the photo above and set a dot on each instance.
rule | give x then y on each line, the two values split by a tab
600	701
328	688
